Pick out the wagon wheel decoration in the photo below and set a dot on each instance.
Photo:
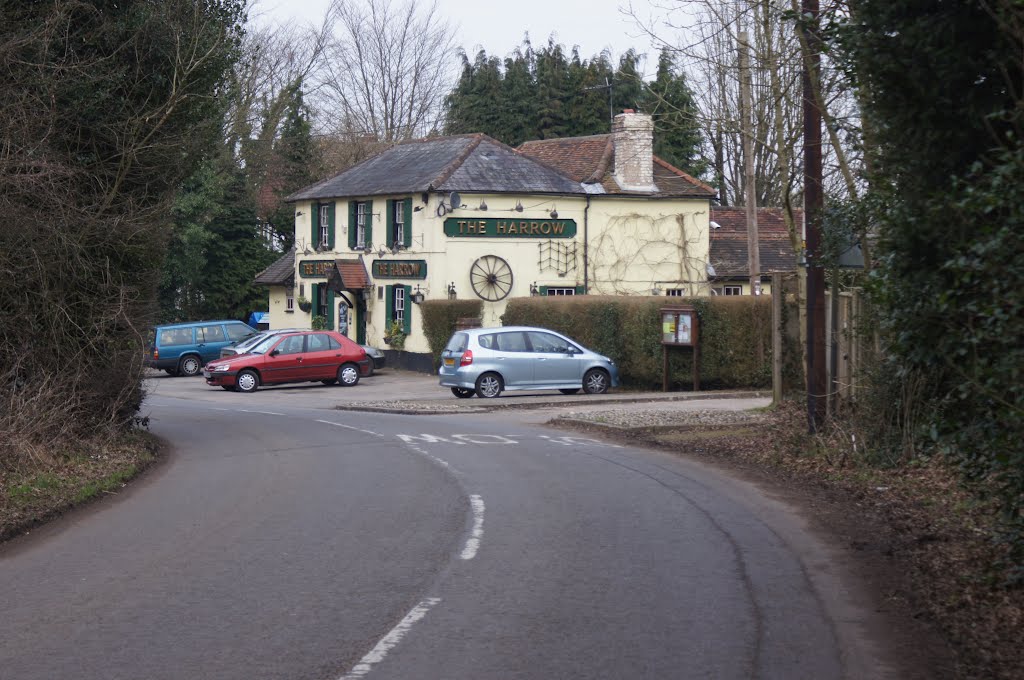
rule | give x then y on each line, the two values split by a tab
491	278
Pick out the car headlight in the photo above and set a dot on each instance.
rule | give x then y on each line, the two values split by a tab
221	368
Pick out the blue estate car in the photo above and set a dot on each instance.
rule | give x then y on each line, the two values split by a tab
183	348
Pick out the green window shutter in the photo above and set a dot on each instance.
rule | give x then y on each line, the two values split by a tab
389	307
330	225
389	220
314	220
369	222
352	224
316	299
581	290
407	319
543	290
407	210
330	308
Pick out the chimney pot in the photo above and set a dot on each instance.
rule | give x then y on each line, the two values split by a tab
633	137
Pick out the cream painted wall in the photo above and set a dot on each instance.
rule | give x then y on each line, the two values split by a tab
637	245
634	244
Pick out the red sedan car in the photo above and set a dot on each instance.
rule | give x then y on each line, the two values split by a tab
306	356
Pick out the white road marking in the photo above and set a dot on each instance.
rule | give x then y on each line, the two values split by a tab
570	441
484	439
349	427
473	542
389	641
266	413
428	438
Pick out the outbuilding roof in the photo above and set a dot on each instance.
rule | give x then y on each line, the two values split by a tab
348	275
281	273
729	241
465	163
591	160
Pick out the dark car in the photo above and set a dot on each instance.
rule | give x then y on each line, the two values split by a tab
243	346
307	356
183	348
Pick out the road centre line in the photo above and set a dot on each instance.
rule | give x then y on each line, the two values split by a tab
266	413
473	542
389	641
349	427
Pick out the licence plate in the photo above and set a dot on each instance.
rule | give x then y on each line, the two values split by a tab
449	362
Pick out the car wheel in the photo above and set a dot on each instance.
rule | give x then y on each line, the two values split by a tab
247	381
595	381
330	381
462	392
489	385
348	375
190	365
567	391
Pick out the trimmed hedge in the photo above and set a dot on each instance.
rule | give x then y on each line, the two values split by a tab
628	329
439	319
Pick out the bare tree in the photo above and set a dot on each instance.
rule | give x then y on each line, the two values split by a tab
388	69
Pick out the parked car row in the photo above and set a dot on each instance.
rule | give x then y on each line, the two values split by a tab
235	356
480	361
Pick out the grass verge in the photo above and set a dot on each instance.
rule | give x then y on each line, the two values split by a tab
40	488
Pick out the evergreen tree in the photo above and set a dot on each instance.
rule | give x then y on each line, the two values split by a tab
297	162
517	98
677	135
552	91
628	83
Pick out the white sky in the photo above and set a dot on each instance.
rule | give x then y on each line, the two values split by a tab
498	27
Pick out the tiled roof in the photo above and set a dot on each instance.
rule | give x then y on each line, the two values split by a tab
729	241
349	275
281	273
591	160
466	163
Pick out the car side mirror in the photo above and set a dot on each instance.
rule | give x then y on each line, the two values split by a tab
275	352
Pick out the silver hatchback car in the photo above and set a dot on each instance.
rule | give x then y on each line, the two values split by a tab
486	361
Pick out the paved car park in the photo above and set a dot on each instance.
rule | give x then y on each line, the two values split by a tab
398	391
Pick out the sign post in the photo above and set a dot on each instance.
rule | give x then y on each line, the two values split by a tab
680	328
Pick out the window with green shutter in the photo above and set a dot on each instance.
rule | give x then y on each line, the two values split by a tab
314	219
368	232
389	223
330	225
407	223
352	223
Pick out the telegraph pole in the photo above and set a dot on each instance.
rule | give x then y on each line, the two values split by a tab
750	185
813	205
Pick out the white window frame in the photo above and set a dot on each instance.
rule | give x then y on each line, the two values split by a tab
398	230
325	225
732	290
560	291
398	305
675	292
360	225
289	300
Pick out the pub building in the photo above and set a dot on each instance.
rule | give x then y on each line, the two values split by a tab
466	216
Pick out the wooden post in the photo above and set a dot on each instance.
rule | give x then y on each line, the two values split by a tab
664	368
778	297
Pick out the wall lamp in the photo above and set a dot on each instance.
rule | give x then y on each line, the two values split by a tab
417	296
519	206
417	208
451	291
382	252
655	291
298	213
554	214
483	205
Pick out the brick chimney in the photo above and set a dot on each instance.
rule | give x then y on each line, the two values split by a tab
633	137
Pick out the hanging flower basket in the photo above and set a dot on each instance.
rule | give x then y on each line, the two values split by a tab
304	304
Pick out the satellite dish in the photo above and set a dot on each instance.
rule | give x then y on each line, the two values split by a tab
710	270
454	200
715	225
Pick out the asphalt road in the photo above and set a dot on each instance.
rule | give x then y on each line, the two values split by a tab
285	539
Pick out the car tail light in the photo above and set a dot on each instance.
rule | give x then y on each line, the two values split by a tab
156	353
467	358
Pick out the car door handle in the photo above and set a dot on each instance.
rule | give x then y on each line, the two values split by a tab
299	359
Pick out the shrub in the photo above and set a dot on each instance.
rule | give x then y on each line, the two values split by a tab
440	318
